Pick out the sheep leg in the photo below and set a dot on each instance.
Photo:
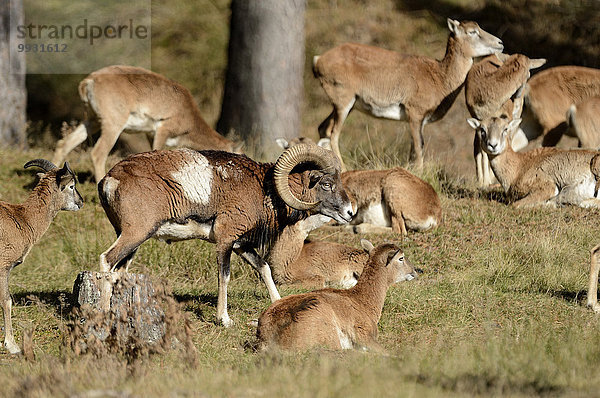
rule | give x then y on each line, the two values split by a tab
108	138
553	136
592	296
485	164
398	224
223	260
340	115
478	156
393	196
68	143
590	203
162	134
263	269
417	145
121	252
326	126
540	196
9	339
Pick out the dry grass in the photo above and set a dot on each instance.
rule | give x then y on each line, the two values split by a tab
499	310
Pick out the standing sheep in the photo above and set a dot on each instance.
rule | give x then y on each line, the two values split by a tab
221	197
22	226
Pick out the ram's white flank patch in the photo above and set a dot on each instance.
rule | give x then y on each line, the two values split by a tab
196	178
171	231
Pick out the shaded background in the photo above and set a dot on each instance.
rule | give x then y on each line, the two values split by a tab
189	44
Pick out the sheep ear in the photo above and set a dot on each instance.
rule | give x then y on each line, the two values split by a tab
365	244
474	123
282	142
536	63
325	143
514	124
453	25
64	176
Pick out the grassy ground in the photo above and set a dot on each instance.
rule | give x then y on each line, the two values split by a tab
498	310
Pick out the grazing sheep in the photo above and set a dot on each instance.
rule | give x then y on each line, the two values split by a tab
224	198
337	319
122	98
22	226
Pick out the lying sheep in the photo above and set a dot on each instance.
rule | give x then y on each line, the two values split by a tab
494	87
391	200
314	264
22	226
543	176
224	198
337	319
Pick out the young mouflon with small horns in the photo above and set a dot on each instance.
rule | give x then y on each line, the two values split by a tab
22	226
332	318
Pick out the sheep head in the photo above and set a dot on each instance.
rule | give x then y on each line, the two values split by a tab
324	182
399	268
60	181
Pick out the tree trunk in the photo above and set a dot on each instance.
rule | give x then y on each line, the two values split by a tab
119	304
13	96
263	86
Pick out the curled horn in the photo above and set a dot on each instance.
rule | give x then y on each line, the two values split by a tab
43	164
324	159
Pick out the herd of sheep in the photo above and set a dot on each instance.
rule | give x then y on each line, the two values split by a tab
263	212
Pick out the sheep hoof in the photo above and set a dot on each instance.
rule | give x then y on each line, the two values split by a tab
226	321
12	347
594	306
